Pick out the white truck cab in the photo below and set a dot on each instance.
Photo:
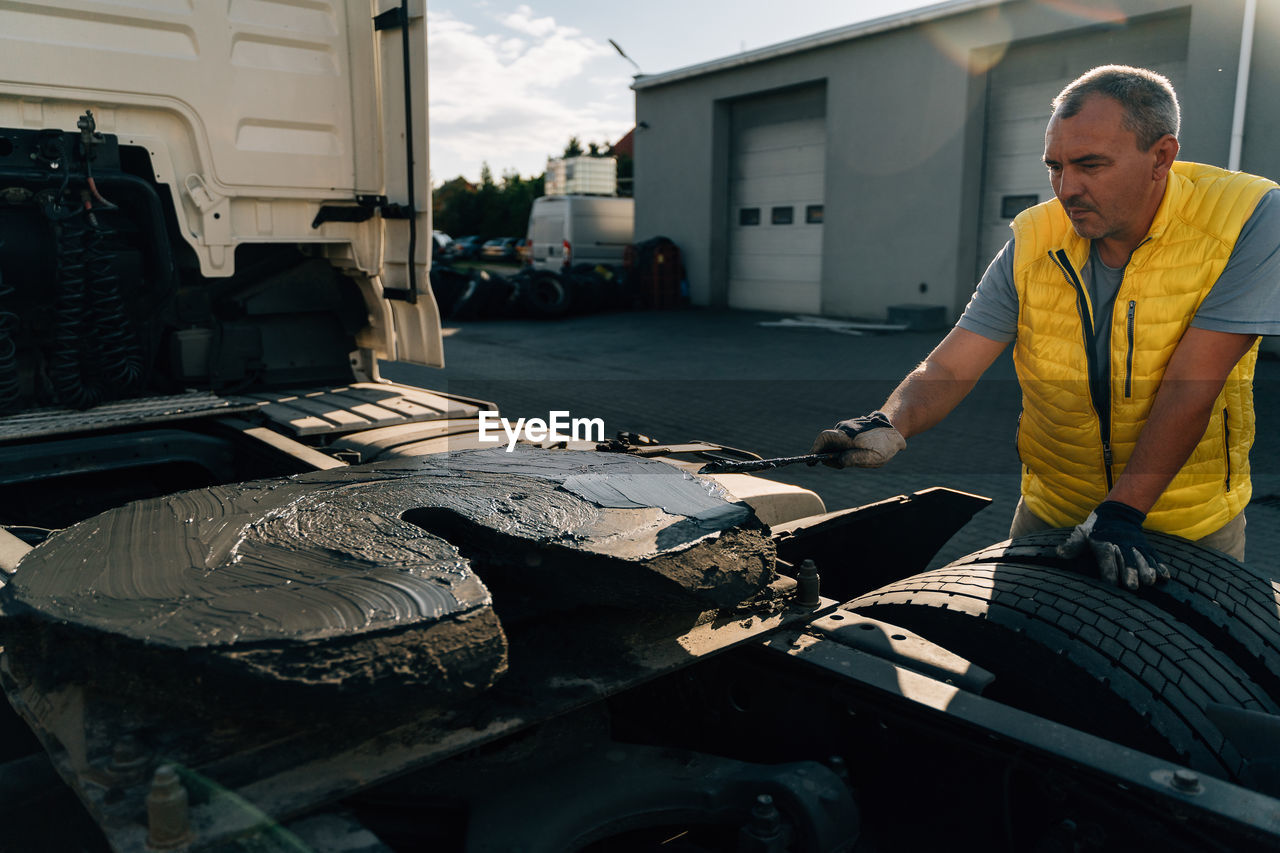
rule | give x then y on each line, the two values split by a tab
228	132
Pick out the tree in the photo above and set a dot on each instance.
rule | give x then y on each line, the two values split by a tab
501	208
487	209
453	207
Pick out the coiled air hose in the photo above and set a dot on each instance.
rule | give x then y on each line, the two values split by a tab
118	356
96	354
73	361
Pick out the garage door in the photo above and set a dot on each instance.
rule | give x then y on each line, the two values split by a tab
778	153
1020	90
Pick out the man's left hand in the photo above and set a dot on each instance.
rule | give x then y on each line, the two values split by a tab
1113	534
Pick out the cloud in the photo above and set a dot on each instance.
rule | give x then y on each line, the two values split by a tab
522	20
515	94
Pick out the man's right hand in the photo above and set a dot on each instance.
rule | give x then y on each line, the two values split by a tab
869	442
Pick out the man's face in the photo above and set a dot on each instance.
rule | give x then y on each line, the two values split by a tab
1107	186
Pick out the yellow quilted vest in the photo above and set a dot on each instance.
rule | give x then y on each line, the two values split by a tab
1074	440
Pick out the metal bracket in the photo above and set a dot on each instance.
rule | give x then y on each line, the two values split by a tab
366	207
199	193
400	294
392	19
902	648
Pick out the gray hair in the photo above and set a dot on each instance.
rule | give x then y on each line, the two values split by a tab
1150	104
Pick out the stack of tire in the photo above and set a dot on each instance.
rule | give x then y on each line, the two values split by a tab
1172	670
541	294
655	274
584	289
472	294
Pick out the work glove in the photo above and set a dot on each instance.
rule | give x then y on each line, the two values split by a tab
870	441
1113	535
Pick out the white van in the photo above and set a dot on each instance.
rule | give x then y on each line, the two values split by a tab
566	230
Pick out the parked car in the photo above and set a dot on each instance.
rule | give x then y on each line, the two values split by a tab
501	249
464	248
439	241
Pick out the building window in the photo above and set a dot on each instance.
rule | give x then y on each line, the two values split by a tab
782	215
813	214
749	216
1012	205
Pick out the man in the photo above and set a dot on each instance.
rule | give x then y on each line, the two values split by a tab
1135	302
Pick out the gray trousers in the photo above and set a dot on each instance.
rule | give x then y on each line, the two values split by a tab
1228	539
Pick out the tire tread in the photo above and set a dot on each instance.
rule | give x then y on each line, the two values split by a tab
1162	669
1235	607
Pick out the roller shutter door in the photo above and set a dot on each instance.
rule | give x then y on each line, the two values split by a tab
1020	90
776	186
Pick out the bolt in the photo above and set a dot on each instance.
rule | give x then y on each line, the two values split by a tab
1186	780
124	750
764	807
765	831
128	761
167	810
766	823
807	582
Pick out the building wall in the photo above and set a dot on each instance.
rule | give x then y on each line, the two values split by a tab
1261	153
683	142
905	114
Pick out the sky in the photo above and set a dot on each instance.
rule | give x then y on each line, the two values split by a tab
510	81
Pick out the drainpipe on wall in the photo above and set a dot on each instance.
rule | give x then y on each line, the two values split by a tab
1242	84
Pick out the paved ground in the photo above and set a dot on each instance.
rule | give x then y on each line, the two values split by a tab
720	376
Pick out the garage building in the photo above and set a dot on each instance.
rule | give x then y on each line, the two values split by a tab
879	164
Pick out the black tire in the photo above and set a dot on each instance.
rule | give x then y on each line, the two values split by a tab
449	286
1074	650
547	295
1236	608
589	289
